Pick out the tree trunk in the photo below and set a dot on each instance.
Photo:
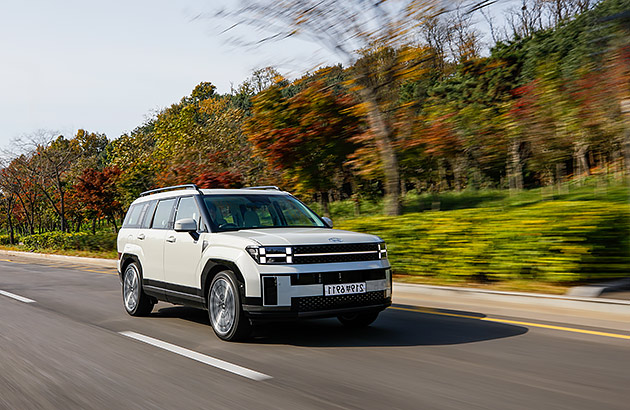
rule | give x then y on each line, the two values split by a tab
580	150
383	139
323	196
28	216
9	202
515	167
62	209
458	167
625	110
443	181
114	222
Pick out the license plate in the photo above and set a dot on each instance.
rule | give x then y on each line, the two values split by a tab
344	289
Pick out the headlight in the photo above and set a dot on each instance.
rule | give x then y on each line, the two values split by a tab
382	250
270	254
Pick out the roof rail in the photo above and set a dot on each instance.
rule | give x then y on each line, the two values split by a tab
272	187
168	188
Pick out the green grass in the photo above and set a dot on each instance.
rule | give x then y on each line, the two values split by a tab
589	190
67	252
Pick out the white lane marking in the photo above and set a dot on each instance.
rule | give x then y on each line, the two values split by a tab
16	297
223	365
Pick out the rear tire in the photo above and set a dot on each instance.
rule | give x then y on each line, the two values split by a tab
358	320
225	309
136	302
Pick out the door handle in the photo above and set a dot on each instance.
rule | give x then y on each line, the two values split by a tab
170	239
141	236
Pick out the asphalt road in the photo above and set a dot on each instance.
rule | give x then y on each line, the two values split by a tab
61	347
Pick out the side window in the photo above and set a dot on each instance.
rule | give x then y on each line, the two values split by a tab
132	220
147	214
187	208
162	218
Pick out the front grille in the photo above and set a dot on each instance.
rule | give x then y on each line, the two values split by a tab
331	253
318	303
330	278
335	247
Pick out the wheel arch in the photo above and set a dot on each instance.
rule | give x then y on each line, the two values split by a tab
125	260
210	270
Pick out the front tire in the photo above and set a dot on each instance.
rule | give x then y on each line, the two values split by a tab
225	310
136	302
358	320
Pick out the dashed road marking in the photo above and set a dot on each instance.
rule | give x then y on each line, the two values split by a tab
16	297
430	311
191	354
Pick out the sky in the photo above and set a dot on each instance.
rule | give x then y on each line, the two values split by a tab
108	66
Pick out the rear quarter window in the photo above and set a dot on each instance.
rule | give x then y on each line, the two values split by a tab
134	214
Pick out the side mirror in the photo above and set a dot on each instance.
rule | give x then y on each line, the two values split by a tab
328	221
185	225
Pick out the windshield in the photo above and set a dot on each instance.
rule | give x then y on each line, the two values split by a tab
242	211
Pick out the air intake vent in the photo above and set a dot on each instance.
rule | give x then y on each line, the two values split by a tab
270	290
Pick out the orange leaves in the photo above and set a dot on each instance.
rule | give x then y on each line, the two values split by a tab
306	135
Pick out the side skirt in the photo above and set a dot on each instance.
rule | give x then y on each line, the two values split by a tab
176	294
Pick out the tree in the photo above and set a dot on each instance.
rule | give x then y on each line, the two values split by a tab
52	158
199	128
346	28
306	135
97	191
17	178
8	201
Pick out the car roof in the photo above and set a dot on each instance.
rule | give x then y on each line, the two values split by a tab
214	191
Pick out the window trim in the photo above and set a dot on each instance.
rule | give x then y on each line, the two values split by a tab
179	200
171	222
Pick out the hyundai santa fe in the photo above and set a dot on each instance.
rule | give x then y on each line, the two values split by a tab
247	255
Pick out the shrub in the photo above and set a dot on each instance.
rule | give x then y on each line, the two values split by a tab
70	241
4	239
555	241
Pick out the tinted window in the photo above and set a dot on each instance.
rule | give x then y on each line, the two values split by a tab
230	212
132	220
187	208
147	214
162	218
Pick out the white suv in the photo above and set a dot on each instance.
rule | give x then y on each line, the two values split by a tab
246	255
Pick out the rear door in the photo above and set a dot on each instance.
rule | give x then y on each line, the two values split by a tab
154	239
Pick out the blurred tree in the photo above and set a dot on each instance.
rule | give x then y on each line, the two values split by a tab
306	136
345	28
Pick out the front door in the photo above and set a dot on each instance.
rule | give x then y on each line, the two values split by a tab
182	252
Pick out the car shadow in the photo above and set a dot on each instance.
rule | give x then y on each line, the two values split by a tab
395	327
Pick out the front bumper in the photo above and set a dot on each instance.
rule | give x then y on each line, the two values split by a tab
277	313
295	296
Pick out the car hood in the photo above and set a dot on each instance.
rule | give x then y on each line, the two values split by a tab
302	236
